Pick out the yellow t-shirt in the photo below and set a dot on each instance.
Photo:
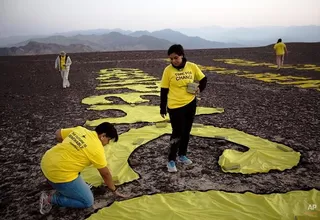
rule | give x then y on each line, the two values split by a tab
80	148
62	62
177	80
279	48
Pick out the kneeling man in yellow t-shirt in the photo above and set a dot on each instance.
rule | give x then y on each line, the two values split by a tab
78	148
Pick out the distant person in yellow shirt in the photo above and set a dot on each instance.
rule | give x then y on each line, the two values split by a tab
62	64
78	148
181	81
280	49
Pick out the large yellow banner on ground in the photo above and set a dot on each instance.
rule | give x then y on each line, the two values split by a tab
262	156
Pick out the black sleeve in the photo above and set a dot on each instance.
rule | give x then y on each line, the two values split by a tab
163	100
203	84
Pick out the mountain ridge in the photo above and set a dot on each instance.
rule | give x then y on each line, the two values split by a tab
192	38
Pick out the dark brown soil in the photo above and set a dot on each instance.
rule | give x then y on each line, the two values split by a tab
34	105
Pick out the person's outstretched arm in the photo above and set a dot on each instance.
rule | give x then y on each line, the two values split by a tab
107	178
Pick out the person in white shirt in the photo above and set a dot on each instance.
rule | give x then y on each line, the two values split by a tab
63	63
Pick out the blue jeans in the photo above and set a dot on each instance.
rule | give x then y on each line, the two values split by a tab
74	194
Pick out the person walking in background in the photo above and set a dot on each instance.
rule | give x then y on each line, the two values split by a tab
178	97
63	63
280	49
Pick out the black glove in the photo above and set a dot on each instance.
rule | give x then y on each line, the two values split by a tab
163	111
163	100
203	84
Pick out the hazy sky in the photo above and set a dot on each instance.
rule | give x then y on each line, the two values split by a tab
22	17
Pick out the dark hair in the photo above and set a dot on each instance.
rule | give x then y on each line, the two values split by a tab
176	48
279	40
108	129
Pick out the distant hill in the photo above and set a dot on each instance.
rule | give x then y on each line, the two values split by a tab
35	48
93	32
116	41
11	41
190	42
139	33
256	36
139	40
191	38
113	41
107	42
56	39
186	41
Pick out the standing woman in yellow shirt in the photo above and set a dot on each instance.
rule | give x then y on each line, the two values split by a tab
280	49
181	81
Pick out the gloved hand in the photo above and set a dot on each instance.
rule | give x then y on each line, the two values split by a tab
163	113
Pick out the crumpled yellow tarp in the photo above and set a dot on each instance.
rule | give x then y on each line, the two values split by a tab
298	81
214	205
124	76
132	97
274	77
123	73
262	155
155	86
304	84
128	81
139	113
241	62
117	71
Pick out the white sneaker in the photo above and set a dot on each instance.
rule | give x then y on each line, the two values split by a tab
185	160
171	166
45	205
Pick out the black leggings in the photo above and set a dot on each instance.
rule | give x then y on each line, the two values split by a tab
181	120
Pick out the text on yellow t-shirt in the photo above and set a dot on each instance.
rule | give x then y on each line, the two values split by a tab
177	80
80	148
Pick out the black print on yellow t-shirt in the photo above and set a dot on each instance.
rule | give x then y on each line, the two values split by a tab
77	141
183	75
